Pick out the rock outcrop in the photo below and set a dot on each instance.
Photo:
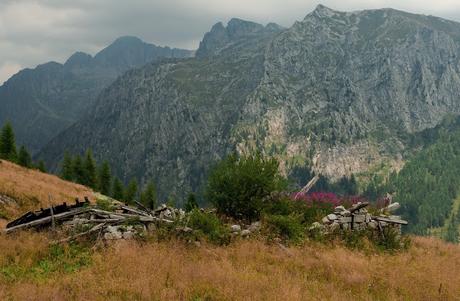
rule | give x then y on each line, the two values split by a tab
346	85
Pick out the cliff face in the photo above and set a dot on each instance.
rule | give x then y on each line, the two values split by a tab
346	86
42	102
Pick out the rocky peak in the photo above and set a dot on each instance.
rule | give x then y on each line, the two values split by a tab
219	37
323	11
238	28
78	59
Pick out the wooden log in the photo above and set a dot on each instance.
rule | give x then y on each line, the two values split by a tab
129	209
93	229
47	219
307	187
388	220
356	207
143	207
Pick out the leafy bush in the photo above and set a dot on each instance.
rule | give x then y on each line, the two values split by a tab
237	187
289	227
209	225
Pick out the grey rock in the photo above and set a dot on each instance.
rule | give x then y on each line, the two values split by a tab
255	226
359	218
128	235
344	219
245	233
235	228
332	217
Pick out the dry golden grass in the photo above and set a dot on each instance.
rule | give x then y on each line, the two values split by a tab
247	270
32	188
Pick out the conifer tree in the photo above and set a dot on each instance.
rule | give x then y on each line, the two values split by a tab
191	202
89	166
148	196
67	168
24	158
104	178
7	143
41	166
117	189
78	170
131	191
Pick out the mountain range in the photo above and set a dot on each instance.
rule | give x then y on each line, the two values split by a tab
42	102
339	92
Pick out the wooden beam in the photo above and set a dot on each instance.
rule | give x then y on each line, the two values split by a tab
47	219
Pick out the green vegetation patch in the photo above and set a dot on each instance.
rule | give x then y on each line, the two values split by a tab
58	259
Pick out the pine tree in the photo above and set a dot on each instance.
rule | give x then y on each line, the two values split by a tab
191	202
24	158
117	189
90	176
41	166
67	168
78	170
104	178
7	143
148	196
131	191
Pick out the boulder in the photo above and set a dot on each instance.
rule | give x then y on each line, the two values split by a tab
254	227
344	219
245	233
359	218
332	217
235	228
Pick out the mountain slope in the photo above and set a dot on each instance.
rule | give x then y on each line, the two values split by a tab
347	86
44	101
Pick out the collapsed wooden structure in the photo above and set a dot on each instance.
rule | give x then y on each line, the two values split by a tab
93	219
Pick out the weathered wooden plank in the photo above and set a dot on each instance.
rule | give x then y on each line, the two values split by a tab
48	219
389	220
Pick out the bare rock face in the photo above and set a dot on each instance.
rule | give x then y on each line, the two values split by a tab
42	102
343	85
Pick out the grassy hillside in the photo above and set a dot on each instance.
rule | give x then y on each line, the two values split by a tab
32	189
249	269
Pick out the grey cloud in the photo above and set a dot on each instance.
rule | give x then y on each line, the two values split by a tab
37	31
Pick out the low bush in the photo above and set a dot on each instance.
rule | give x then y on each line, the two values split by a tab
239	186
288	227
209	225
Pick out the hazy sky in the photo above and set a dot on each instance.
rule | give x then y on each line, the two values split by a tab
37	31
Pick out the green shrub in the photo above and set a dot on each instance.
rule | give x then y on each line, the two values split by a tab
210	226
238	186
289	227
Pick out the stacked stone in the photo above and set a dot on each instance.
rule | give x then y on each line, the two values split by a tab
357	218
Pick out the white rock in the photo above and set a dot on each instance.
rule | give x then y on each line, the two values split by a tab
345	213
325	220
344	219
235	228
372	225
113	235
339	209
315	225
245	233
393	207
128	235
332	217
254	227
358	218
334	226
368	218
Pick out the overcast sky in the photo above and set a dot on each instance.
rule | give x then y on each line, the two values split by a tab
36	31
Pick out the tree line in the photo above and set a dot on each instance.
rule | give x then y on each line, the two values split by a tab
81	170
8	150
84	170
